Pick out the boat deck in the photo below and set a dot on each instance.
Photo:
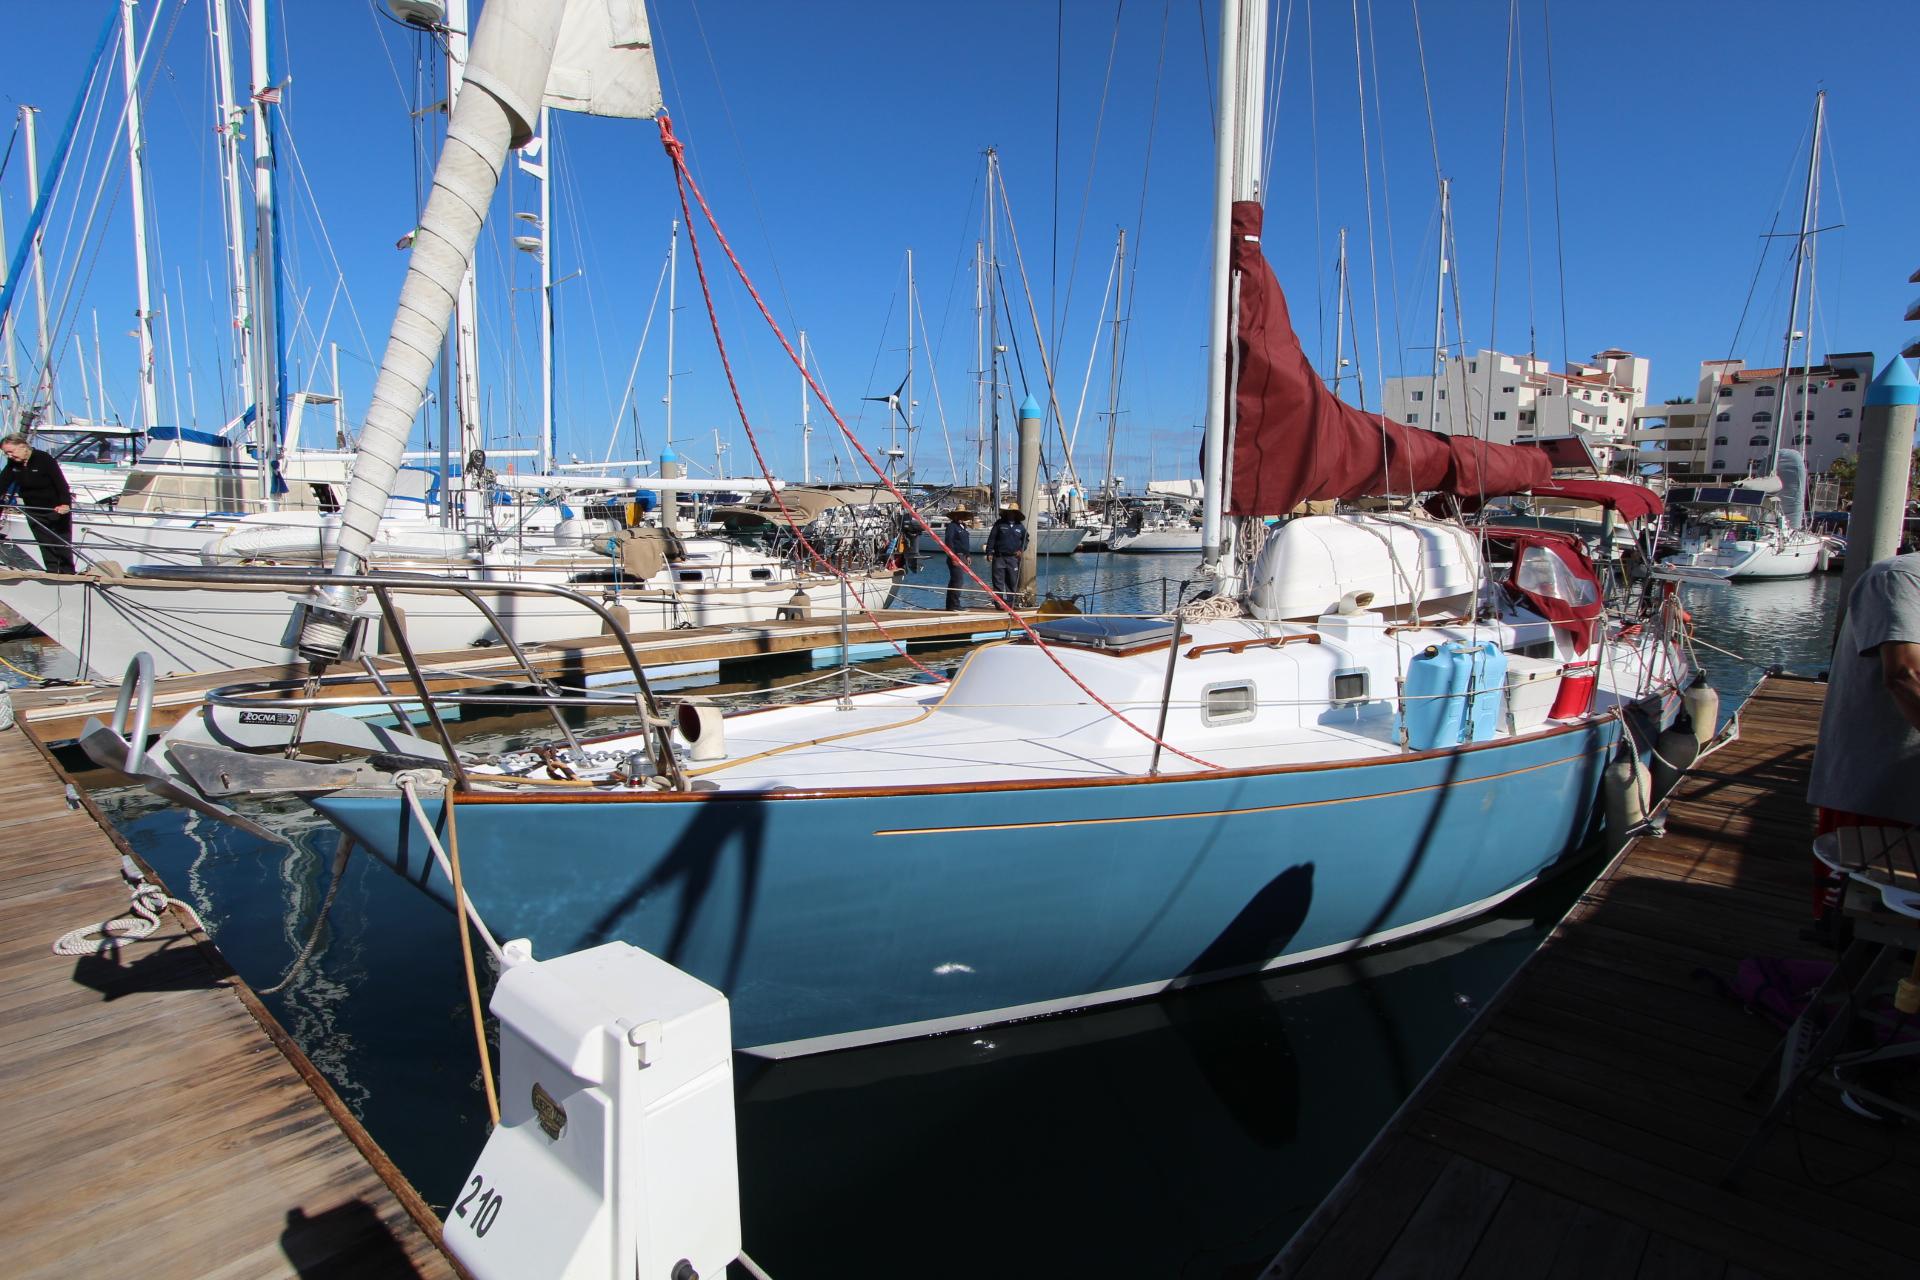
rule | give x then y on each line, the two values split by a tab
59	712
158	1120
1583	1124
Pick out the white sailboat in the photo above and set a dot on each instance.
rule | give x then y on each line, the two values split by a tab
1758	529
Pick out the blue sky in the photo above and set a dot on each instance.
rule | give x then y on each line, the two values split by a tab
834	137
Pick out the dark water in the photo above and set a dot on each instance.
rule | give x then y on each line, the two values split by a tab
1188	1135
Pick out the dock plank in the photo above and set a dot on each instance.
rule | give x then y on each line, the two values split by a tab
1607	1084
154	1111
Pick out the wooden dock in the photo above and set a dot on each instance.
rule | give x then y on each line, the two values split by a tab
159	1123
59	712
1582	1125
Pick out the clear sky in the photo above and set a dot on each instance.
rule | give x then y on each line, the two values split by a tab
834	137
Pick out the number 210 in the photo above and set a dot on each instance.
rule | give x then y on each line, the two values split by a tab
484	1212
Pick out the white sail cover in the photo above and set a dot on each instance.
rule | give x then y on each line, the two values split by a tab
603	61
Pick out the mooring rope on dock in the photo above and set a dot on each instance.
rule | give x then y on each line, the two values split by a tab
141	921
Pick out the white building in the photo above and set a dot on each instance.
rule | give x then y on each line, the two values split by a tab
1514	399
1727	429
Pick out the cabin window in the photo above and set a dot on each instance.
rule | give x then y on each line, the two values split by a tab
761	575
1763	391
1349	687
1846	413
688	575
1538	649
1222	704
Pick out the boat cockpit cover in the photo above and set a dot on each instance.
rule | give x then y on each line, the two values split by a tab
1632	501
1554	576
1294	441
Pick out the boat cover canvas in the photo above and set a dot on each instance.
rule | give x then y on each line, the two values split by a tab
1632	501
1294	441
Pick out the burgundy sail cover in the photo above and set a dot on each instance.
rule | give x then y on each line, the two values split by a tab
1294	441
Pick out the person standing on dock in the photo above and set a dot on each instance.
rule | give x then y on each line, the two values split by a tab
960	543
44	497
1867	758
1005	541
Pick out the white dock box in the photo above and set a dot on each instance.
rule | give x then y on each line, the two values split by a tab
615	1152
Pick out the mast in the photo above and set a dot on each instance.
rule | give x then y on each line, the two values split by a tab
1799	269
673	280
136	178
979	356
546	291
339	401
1439	312
1340	311
1243	39
227	119
7	397
266	314
43	386
993	336
908	414
806	427
1113	376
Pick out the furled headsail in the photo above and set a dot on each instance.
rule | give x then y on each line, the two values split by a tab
1294	441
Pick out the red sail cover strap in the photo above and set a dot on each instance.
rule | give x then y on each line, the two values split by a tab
1295	442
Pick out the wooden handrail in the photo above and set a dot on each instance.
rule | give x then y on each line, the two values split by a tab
1241	646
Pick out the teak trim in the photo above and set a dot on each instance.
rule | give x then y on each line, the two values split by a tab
1241	646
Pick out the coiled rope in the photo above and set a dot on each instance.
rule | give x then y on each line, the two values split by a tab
141	921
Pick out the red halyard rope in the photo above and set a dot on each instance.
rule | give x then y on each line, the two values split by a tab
676	152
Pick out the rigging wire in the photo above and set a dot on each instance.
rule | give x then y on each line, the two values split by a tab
1366	170
685	180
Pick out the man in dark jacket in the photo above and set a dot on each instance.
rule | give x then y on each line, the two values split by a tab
960	542
44	497
1005	541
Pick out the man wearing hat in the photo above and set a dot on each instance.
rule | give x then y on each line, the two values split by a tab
1005	541
960	542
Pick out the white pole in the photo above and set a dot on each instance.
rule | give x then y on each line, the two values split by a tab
910	402
546	291
1799	267
1439	316
266	353
186	345
86	391
6	334
43	393
979	357
806	427
99	371
673	280
1236	176
227	120
339	401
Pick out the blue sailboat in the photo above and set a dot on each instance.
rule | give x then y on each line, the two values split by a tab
1375	724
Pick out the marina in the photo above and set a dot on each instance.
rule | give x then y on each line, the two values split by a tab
1191	776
